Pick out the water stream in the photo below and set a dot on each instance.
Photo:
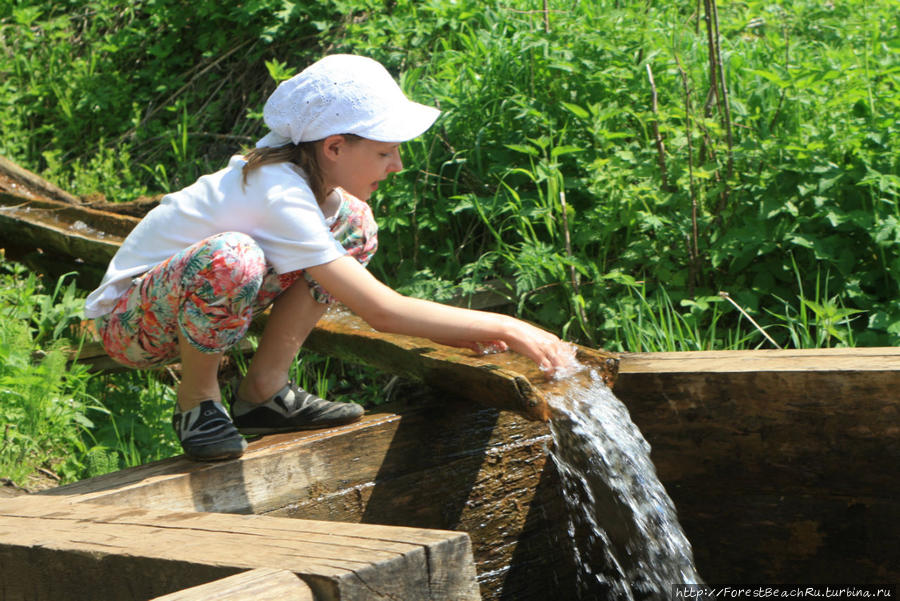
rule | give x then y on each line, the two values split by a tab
622	526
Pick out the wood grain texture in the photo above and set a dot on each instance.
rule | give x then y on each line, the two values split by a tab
507	381
31	185
79	544
785	465
261	584
436	464
58	227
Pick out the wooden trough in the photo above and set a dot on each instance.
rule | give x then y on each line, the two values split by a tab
784	467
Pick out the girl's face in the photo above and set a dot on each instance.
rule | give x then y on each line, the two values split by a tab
358	165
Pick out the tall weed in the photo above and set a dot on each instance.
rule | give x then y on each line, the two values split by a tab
45	408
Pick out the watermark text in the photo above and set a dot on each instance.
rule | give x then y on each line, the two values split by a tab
784	591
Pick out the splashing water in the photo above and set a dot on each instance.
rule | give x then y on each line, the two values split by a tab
626	539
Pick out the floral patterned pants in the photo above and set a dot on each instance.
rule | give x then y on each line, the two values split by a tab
210	291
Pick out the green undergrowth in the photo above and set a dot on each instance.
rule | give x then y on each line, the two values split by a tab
778	170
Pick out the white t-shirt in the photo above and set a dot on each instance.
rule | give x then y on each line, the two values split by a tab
276	208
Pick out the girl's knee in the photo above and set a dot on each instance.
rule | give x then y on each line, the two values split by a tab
235	247
230	260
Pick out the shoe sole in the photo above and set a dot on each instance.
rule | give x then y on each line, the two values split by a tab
224	455
282	430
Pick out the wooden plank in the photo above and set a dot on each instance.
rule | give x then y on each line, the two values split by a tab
817	360
261	584
768	458
78	541
507	381
273	472
812	537
770	455
439	465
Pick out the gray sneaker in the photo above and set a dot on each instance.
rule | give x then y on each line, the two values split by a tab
207	433
291	409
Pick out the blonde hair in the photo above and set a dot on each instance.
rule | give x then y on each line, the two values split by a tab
303	155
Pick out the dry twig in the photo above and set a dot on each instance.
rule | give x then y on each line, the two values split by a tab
727	297
726	109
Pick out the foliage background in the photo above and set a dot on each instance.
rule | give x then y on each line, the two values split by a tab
790	204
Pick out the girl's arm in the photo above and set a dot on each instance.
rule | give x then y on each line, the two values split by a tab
388	311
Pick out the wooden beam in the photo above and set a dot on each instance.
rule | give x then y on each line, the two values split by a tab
507	381
274	472
783	465
87	234
830	360
438	464
261	584
51	548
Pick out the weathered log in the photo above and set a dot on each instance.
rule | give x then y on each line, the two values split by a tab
51	548
784	465
261	584
506	381
438	464
76	232
24	182
136	208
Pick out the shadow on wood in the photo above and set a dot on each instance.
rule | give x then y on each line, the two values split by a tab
457	464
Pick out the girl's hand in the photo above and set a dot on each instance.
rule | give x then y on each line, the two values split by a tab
388	311
549	352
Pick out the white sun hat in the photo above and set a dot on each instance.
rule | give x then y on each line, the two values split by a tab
343	94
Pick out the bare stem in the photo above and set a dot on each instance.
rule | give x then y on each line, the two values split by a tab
787	56
726	110
688	131
697	22
573	274
713	96
660	147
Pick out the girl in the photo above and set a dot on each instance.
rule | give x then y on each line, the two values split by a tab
285	224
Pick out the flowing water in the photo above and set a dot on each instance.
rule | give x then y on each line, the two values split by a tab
626	539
